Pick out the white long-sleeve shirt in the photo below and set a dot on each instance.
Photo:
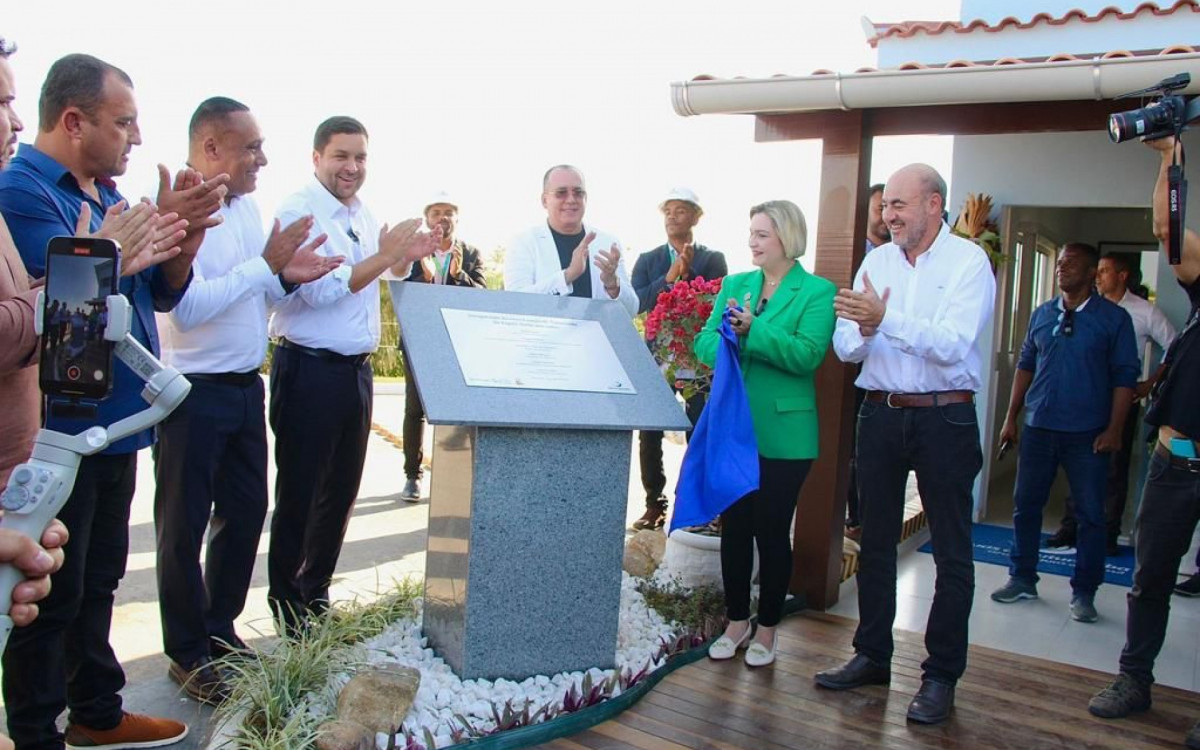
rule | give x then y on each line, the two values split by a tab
1148	323
220	325
928	339
326	314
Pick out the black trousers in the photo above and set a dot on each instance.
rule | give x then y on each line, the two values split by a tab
320	412
942	445
1117	487
853	517
211	473
414	424
1166	519
650	452
763	517
63	659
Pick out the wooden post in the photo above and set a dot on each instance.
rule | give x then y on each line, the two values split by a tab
841	237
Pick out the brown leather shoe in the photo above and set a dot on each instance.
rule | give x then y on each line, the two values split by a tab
654	517
201	680
135	730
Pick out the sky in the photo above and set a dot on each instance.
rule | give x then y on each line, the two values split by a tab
479	98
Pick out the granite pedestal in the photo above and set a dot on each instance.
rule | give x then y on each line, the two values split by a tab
528	495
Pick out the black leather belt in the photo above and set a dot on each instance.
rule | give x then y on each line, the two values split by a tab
240	379
356	360
920	400
1191	465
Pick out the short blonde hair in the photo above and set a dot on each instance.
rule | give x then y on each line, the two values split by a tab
788	220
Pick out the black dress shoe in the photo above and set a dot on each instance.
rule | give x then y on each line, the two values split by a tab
233	648
857	672
932	703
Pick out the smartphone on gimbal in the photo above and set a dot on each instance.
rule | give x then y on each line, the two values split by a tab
76	359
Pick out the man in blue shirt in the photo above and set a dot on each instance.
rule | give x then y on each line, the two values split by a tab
1075	377
87	127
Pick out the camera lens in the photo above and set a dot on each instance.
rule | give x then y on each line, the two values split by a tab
1117	127
1152	121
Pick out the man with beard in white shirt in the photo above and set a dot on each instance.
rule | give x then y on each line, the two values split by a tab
913	320
321	379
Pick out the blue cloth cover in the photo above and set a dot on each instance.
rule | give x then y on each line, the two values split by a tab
720	466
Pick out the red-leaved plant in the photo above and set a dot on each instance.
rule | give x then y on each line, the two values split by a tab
671	327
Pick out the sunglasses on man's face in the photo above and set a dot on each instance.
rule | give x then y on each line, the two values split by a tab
1066	323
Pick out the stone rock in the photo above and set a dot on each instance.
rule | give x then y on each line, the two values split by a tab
378	698
344	735
644	552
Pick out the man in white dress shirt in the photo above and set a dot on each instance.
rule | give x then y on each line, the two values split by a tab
321	381
913	320
564	256
1117	279
211	455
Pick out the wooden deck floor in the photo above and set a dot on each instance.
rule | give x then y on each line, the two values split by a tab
1004	701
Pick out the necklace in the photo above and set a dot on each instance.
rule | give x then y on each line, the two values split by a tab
775	282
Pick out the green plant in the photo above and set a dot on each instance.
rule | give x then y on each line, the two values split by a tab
493	268
274	694
700	611
388	359
975	224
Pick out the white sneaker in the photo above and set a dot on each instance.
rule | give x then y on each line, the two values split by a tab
726	648
759	655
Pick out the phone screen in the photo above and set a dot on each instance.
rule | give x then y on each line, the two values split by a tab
76	360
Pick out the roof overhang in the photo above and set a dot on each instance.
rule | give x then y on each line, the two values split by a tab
1097	79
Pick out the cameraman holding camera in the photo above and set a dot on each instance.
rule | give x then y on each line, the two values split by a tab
1171	499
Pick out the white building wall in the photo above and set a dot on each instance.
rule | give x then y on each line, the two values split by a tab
1068	170
1063	170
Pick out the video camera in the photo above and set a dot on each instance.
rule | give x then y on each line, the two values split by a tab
1165	117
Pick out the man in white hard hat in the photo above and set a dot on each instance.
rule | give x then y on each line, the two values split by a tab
680	258
454	263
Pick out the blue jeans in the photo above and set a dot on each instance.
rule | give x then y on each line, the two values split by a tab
1041	453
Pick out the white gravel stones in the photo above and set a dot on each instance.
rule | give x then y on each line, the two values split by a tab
444	701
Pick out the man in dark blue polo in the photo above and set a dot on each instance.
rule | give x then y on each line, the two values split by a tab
1076	375
87	127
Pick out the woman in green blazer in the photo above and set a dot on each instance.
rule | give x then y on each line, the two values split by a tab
785	326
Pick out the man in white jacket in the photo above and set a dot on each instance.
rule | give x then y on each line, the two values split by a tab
554	258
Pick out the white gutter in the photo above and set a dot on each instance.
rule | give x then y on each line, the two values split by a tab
1022	82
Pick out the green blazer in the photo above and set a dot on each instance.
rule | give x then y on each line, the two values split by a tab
785	346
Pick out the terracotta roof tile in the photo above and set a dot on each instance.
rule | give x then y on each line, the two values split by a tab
1175	49
907	29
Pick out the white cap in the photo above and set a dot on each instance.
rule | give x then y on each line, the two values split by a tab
440	196
681	194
